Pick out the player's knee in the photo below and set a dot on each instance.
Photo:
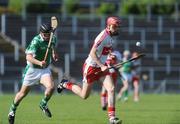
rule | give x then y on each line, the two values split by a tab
111	89
51	88
21	94
126	85
84	97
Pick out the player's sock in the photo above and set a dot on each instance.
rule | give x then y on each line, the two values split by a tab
43	106
104	101
68	85
44	101
125	95
13	107
111	112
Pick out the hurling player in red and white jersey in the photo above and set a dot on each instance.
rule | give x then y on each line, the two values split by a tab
113	58
94	68
136	76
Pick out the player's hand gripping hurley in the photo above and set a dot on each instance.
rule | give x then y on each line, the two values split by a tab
119	65
54	24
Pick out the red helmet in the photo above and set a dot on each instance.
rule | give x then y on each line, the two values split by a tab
113	20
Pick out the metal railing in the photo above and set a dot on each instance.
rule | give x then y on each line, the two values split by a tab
131	28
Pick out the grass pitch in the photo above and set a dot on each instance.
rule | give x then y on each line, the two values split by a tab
70	109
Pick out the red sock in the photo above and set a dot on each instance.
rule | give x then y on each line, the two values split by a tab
69	85
111	112
103	99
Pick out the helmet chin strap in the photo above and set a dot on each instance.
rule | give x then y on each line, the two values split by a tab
44	37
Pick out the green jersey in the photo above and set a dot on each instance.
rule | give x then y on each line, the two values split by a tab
127	67
38	48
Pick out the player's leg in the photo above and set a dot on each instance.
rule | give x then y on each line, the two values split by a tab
83	91
104	95
103	98
125	95
48	83
136	90
123	89
18	98
109	86
126	92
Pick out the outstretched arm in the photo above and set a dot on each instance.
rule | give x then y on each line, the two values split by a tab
54	55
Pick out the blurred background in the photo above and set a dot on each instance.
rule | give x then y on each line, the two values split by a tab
154	23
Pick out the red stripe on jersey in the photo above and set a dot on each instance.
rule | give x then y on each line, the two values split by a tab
106	50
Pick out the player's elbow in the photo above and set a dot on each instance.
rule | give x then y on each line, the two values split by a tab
29	57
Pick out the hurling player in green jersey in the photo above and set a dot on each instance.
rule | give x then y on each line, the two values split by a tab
37	70
126	72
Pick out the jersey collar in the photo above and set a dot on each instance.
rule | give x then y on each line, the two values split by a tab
41	37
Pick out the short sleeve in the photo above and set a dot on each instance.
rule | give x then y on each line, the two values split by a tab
32	48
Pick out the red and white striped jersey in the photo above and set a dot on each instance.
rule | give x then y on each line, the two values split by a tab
103	44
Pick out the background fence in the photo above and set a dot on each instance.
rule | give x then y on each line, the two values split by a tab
159	34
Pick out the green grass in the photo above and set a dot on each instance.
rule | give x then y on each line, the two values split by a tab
70	109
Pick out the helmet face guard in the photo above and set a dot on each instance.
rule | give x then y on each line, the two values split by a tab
45	30
45	36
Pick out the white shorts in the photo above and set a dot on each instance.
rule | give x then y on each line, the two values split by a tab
32	76
126	76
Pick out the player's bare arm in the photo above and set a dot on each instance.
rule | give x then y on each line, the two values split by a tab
95	58
31	59
54	55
